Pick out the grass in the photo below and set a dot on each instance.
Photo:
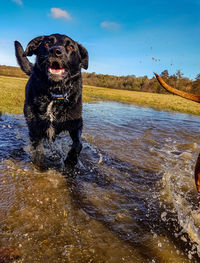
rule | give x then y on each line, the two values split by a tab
12	97
166	102
12	94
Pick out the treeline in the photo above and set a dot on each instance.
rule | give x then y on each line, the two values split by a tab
130	82
12	72
143	83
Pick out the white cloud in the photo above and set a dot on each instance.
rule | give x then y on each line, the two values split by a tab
19	2
110	25
60	13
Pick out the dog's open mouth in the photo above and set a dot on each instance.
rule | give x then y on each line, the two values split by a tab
56	69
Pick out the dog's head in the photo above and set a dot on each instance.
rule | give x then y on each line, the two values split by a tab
57	56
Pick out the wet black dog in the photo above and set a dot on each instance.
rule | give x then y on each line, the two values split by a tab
53	97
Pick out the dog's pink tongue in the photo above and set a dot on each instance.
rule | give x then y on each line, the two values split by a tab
59	71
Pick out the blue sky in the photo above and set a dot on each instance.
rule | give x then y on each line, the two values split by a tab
122	37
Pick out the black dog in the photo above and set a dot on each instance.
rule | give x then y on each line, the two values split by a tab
53	97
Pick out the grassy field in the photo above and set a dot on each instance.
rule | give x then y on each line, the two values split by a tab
12	97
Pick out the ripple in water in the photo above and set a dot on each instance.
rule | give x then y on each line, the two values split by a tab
131	198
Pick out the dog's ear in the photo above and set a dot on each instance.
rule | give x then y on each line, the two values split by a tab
33	46
84	56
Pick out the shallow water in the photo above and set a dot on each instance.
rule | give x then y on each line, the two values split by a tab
132	197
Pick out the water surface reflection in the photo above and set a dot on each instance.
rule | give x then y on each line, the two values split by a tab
131	198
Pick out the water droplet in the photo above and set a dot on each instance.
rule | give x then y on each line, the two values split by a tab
159	244
163	216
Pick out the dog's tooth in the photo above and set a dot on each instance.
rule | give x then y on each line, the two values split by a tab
56	71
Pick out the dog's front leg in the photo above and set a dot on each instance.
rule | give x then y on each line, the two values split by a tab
72	157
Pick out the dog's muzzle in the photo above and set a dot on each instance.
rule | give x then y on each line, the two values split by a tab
58	72
56	67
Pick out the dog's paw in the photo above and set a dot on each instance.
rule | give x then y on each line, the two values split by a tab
72	159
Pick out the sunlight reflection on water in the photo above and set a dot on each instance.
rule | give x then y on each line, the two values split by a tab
131	198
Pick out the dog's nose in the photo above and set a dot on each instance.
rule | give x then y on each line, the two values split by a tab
56	51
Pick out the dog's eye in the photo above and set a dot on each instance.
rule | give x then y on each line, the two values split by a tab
47	44
70	48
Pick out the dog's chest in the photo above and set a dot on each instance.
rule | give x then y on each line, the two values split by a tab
57	111
50	113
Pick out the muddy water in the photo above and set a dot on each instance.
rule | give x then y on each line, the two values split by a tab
131	198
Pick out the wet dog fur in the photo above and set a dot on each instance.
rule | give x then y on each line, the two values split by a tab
53	96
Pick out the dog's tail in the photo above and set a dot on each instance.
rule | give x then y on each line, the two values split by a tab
180	93
22	60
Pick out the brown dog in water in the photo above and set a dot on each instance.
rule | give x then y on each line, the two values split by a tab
188	96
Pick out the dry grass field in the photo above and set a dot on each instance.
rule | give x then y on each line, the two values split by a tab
12	97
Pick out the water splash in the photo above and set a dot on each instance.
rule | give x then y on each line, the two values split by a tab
131	197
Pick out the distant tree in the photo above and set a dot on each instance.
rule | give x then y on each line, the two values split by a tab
179	74
131	76
198	77
164	74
